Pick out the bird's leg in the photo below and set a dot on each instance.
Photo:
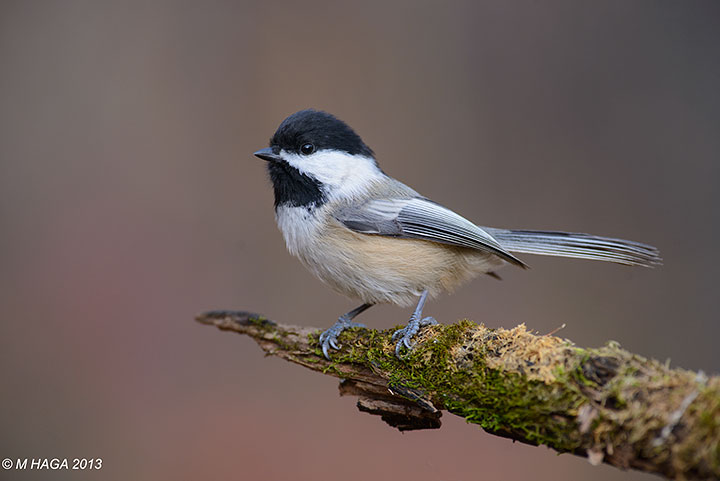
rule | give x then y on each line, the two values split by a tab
416	322
328	339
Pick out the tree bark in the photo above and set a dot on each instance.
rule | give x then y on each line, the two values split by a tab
604	403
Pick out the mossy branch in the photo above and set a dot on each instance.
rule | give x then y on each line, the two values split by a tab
605	403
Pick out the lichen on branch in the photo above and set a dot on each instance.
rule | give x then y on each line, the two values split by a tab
604	403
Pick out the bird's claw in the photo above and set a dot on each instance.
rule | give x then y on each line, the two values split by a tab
408	332
328	339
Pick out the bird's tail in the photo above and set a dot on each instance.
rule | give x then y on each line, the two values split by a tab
581	246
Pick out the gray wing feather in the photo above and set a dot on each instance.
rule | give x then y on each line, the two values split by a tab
419	218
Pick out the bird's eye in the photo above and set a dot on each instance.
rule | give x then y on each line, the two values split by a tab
307	149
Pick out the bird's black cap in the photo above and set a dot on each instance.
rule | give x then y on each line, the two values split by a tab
322	130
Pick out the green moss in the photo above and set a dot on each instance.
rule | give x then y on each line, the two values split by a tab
496	400
500	401
709	417
261	322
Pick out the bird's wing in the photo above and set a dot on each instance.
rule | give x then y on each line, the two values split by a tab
419	218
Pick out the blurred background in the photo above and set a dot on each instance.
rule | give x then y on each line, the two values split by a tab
130	201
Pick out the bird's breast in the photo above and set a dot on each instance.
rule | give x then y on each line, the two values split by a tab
300	227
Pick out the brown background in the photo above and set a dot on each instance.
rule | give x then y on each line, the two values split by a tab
130	201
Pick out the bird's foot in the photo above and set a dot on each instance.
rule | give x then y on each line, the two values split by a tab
328	339
406	334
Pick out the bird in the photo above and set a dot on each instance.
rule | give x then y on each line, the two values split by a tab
370	237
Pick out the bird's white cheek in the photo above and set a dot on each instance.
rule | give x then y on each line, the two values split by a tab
342	173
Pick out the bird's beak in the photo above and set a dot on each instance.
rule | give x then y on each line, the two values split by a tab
267	154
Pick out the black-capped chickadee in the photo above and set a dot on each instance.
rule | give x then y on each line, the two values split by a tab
373	238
